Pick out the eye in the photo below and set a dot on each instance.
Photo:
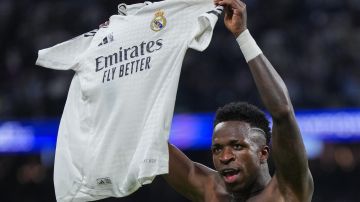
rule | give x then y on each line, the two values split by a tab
216	150
237	146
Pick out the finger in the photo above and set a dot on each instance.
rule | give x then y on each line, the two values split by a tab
237	12
237	7
236	4
228	12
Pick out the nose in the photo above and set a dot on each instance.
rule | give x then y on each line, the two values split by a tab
227	156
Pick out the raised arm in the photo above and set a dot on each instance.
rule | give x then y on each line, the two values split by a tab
187	177
287	146
292	171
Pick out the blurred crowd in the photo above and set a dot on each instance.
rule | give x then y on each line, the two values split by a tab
314	44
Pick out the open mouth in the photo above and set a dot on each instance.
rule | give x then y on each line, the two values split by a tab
230	174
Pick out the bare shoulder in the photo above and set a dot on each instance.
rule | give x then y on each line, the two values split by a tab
278	191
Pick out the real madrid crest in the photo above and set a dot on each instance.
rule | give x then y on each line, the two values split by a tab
159	21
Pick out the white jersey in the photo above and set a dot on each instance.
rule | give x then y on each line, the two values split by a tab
114	129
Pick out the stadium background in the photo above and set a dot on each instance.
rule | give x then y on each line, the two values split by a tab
315	45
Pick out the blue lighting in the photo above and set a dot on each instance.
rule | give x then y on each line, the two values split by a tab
190	131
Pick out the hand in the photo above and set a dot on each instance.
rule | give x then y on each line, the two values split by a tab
235	15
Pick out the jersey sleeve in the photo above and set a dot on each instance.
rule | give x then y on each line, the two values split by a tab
203	28
64	56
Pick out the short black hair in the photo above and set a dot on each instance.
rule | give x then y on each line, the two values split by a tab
242	111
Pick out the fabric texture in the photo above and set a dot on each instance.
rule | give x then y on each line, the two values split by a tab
115	125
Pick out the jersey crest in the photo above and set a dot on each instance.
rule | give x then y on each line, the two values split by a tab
159	21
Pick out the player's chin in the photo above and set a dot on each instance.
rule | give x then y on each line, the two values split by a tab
235	186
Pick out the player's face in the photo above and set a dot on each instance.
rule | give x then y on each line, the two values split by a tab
235	155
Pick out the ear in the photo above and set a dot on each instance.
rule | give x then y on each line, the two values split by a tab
264	154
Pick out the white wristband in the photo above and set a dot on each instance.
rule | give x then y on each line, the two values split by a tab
248	45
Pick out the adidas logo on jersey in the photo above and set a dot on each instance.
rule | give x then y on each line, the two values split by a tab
109	38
